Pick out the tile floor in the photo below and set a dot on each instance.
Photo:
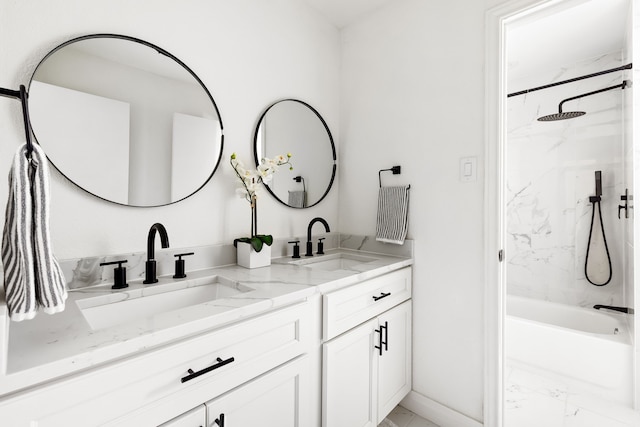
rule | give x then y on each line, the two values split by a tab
535	399
541	399
401	417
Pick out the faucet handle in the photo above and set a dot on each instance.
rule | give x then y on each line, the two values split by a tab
119	274
179	273
320	246
296	249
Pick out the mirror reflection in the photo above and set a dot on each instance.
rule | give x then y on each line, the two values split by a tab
125	120
292	126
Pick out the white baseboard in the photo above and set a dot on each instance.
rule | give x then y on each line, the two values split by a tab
436	412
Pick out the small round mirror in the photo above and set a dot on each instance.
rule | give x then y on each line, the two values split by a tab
125	120
292	126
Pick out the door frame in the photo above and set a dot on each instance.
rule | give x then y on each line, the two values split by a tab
496	21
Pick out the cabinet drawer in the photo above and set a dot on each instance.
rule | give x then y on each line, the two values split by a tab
197	417
157	386
348	307
279	398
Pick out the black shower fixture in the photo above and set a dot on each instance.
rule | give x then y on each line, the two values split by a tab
563	115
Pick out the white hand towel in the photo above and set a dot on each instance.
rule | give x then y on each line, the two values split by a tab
32	275
393	214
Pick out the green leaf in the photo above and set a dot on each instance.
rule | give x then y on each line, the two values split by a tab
256	242
266	238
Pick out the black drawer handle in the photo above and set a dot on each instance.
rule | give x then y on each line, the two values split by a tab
384	342
382	295
220	364
220	421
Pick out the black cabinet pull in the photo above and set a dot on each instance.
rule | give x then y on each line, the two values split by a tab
220	364
379	347
384	343
386	336
382	295
220	420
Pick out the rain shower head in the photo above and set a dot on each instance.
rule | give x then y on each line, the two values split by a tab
560	115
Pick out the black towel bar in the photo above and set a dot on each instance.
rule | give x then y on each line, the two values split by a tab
395	170
23	96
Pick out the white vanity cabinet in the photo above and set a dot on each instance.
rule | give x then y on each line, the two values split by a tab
367	369
156	386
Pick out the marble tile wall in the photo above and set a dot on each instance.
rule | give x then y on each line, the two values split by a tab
550	176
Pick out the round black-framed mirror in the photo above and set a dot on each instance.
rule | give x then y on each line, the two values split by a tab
293	126
125	120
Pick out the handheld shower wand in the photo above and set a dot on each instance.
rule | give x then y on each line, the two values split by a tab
596	199
598	184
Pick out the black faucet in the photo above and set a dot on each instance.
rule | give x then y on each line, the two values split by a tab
150	265
309	243
610	307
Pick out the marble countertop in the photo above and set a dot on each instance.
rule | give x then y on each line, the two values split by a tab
50	346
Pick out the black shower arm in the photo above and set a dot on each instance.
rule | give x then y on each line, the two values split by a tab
620	86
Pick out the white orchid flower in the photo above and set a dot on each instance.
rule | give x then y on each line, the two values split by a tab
263	174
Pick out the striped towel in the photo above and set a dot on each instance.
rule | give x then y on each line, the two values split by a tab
393	214
32	275
17	250
297	199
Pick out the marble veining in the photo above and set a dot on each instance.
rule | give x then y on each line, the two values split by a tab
550	176
87	272
534	398
50	346
370	244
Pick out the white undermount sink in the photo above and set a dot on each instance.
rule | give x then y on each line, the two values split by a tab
138	303
340	261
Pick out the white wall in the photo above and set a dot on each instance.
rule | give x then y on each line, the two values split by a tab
249	53
412	89
412	95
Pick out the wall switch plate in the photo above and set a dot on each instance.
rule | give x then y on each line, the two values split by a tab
468	169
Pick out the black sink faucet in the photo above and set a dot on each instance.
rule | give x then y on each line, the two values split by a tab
309	243
150	265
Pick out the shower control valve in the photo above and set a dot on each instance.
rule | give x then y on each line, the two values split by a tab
625	198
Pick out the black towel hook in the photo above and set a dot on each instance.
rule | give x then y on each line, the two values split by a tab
23	96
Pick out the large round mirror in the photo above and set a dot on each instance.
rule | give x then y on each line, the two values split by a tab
292	126
125	120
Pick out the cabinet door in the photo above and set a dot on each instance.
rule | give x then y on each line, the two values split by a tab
194	418
348	378
279	398
394	364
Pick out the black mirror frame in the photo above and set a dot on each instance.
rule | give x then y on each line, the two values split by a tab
333	150
163	52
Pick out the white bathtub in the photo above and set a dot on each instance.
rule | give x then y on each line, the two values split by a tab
582	344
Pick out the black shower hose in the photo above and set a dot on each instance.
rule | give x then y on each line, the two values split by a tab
604	238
